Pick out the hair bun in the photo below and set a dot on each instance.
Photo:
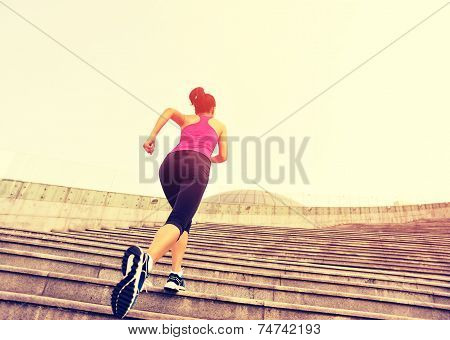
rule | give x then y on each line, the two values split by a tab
203	102
196	94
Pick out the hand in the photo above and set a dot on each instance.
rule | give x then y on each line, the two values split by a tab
149	145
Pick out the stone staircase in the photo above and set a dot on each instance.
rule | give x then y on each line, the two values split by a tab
385	271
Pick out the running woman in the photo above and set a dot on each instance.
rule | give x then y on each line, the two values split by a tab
184	175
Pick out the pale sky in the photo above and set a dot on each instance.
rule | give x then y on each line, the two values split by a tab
380	135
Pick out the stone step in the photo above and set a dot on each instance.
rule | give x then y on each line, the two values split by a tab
303	244
207	306
354	247
421	227
283	249
318	259
248	289
359	284
271	267
403	259
414	235
370	230
311	239
278	280
18	306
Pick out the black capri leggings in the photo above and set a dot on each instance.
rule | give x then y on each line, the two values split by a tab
184	175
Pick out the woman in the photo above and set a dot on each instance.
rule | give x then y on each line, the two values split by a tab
184	175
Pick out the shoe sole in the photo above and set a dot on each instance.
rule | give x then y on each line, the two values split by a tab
125	293
173	287
127	262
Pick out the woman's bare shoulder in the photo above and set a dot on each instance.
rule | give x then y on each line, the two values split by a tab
190	115
190	119
218	122
218	126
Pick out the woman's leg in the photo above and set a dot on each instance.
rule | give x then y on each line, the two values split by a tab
184	196
164	239
178	251
167	235
174	235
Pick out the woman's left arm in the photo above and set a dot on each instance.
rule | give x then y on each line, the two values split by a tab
170	113
223	148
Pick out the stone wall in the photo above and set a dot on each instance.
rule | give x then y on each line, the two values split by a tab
46	207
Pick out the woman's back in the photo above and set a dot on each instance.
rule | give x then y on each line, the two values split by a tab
216	124
199	132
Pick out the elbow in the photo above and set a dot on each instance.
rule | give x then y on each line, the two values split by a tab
168	113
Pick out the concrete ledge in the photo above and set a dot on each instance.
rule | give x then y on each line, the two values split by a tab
58	309
71	287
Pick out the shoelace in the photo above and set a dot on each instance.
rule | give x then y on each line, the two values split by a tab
175	278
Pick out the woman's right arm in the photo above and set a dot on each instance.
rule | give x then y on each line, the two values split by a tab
223	148
170	113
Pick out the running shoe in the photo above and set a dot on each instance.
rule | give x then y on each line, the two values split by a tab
127	263
175	283
125	293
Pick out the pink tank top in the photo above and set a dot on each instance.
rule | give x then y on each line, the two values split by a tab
199	137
